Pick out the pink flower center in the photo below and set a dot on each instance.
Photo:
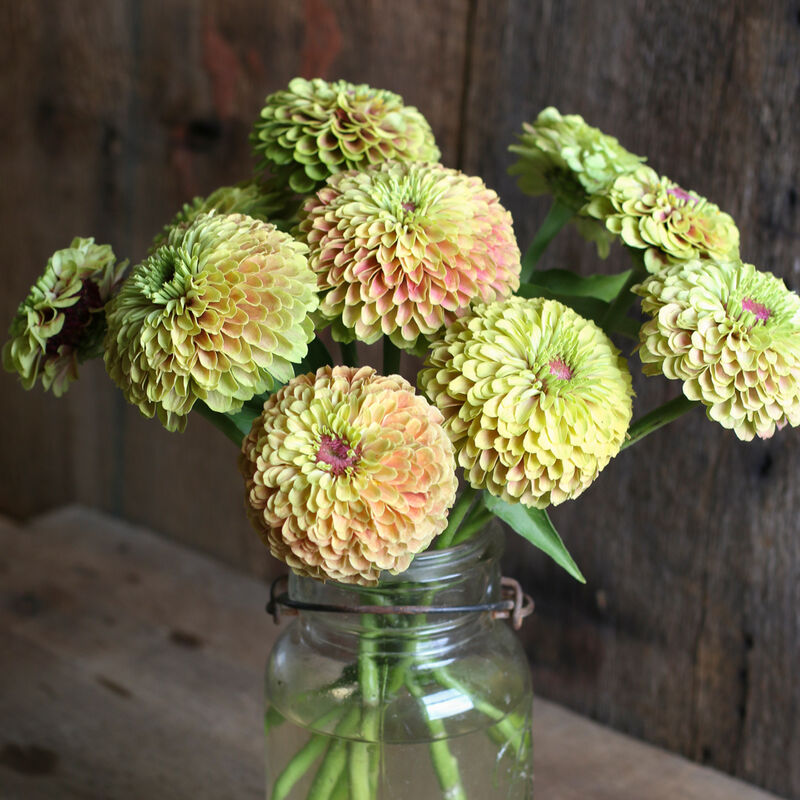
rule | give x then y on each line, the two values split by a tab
334	452
758	310
409	206
559	368
681	194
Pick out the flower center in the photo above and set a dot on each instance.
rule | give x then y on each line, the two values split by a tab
559	368
681	194
76	319
408	206
334	452
758	310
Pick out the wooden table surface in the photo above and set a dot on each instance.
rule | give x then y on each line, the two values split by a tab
131	669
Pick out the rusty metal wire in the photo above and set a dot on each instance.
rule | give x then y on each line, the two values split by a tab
515	605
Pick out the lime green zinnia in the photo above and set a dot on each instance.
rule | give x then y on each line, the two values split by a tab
348	473
61	321
217	314
670	224
566	157
403	249
251	198
569	159
536	399
732	335
314	129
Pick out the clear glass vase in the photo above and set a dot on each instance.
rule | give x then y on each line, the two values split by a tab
401	706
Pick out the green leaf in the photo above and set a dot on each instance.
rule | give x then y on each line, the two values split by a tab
534	525
588	307
243	420
316	357
234	426
570	284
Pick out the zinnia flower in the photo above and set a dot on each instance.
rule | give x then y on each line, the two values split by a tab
671	224
314	128
251	198
565	157
569	159
61	321
348	473
732	335
218	314
403	249
536	399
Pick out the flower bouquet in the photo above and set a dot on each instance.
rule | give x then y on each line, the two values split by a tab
396	681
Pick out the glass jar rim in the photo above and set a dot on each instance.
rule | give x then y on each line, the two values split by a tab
488	541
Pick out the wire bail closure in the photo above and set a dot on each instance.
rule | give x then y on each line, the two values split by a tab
514	605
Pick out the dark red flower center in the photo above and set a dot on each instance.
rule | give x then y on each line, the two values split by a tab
409	206
76	319
560	369
334	452
758	310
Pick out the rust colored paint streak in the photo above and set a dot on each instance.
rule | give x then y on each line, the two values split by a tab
223	67
322	41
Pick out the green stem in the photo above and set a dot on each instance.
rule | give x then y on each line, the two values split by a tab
272	719
457	514
341	791
329	771
298	766
613	318
557	217
657	418
302	760
477	519
445	764
391	357
359	761
333	765
349	353
505	723
220	421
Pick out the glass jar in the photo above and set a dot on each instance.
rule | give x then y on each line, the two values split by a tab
401	706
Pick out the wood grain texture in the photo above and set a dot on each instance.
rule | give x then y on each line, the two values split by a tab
688	633
690	621
133	668
122	112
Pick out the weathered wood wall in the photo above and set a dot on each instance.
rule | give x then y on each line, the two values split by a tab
688	633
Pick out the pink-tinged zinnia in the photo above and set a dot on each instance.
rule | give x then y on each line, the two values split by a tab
732	334
403	249
348	473
670	224
536	399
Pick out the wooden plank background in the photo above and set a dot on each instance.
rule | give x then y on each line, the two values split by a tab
688	633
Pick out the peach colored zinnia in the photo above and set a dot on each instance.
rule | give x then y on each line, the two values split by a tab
348	473
403	249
